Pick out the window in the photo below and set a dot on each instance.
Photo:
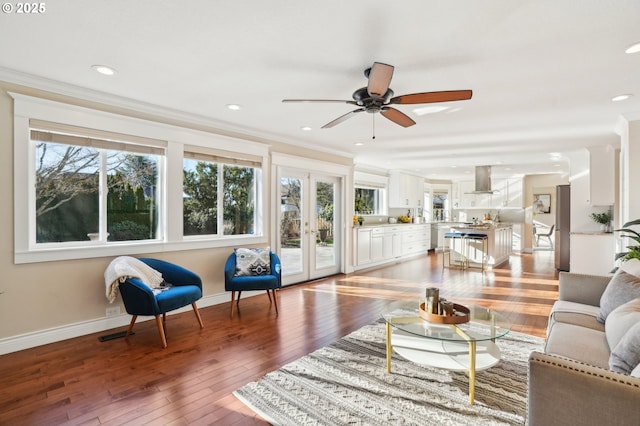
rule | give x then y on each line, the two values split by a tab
89	183
71	170
369	201
202	199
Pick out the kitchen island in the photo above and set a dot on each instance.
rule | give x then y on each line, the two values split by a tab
496	251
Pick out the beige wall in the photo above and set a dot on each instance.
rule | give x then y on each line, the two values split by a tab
37	297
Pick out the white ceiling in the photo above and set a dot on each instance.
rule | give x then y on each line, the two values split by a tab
542	72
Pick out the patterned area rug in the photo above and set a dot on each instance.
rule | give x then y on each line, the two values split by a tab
346	383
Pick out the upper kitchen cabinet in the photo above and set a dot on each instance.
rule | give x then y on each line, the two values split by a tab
601	176
465	197
405	190
513	197
507	194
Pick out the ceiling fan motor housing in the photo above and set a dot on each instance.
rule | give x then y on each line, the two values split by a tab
363	98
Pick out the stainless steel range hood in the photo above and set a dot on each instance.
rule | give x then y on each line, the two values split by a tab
483	180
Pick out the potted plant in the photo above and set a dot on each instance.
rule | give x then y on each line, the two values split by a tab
604	219
633	251
360	220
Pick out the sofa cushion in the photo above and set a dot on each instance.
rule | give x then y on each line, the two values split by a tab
622	288
580	343
574	313
253	261
625	357
620	320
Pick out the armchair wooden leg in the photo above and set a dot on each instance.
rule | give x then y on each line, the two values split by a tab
197	312
233	298
130	329
163	337
275	300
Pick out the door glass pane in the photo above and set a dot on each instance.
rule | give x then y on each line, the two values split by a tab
291	225
325	199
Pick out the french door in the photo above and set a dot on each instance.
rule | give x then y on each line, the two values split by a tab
309	237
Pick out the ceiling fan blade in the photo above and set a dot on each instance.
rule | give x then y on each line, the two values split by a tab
342	118
379	79
397	117
431	97
326	101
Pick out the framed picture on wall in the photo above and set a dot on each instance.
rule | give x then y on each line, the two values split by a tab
542	203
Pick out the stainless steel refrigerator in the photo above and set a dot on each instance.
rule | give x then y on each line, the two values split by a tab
563	227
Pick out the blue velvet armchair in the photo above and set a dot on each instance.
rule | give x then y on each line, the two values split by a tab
139	299
269	282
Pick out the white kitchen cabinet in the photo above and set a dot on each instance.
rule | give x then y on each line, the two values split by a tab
392	242
405	190
467	199
381	244
416	239
377	241
507	194
514	196
363	253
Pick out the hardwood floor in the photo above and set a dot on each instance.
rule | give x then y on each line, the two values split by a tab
83	381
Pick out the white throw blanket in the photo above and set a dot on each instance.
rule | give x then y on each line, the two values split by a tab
124	267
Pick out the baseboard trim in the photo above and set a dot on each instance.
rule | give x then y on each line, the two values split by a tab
57	334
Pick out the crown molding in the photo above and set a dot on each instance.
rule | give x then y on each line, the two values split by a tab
154	112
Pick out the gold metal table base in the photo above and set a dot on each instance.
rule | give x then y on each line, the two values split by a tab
472	357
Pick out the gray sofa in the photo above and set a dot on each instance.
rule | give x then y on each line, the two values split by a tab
571	382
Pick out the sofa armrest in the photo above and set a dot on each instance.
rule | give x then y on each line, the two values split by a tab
582	288
568	392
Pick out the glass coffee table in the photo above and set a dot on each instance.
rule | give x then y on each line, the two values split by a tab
469	346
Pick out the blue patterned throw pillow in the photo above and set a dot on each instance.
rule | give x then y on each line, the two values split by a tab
253	261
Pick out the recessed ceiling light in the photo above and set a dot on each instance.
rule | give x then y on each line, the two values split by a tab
103	69
359	143
555	156
306	128
634	48
620	98
429	110
233	107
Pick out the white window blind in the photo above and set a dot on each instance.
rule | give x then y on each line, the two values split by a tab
44	131
220	156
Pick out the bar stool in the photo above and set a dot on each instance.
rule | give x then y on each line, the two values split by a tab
484	244
450	239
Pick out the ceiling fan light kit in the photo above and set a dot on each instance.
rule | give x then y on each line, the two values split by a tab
377	96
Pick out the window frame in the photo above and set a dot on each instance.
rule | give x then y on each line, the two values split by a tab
223	161
28	108
381	198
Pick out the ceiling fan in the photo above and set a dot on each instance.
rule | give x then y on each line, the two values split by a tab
377	97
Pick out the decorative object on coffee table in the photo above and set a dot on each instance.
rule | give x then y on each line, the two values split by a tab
459	313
